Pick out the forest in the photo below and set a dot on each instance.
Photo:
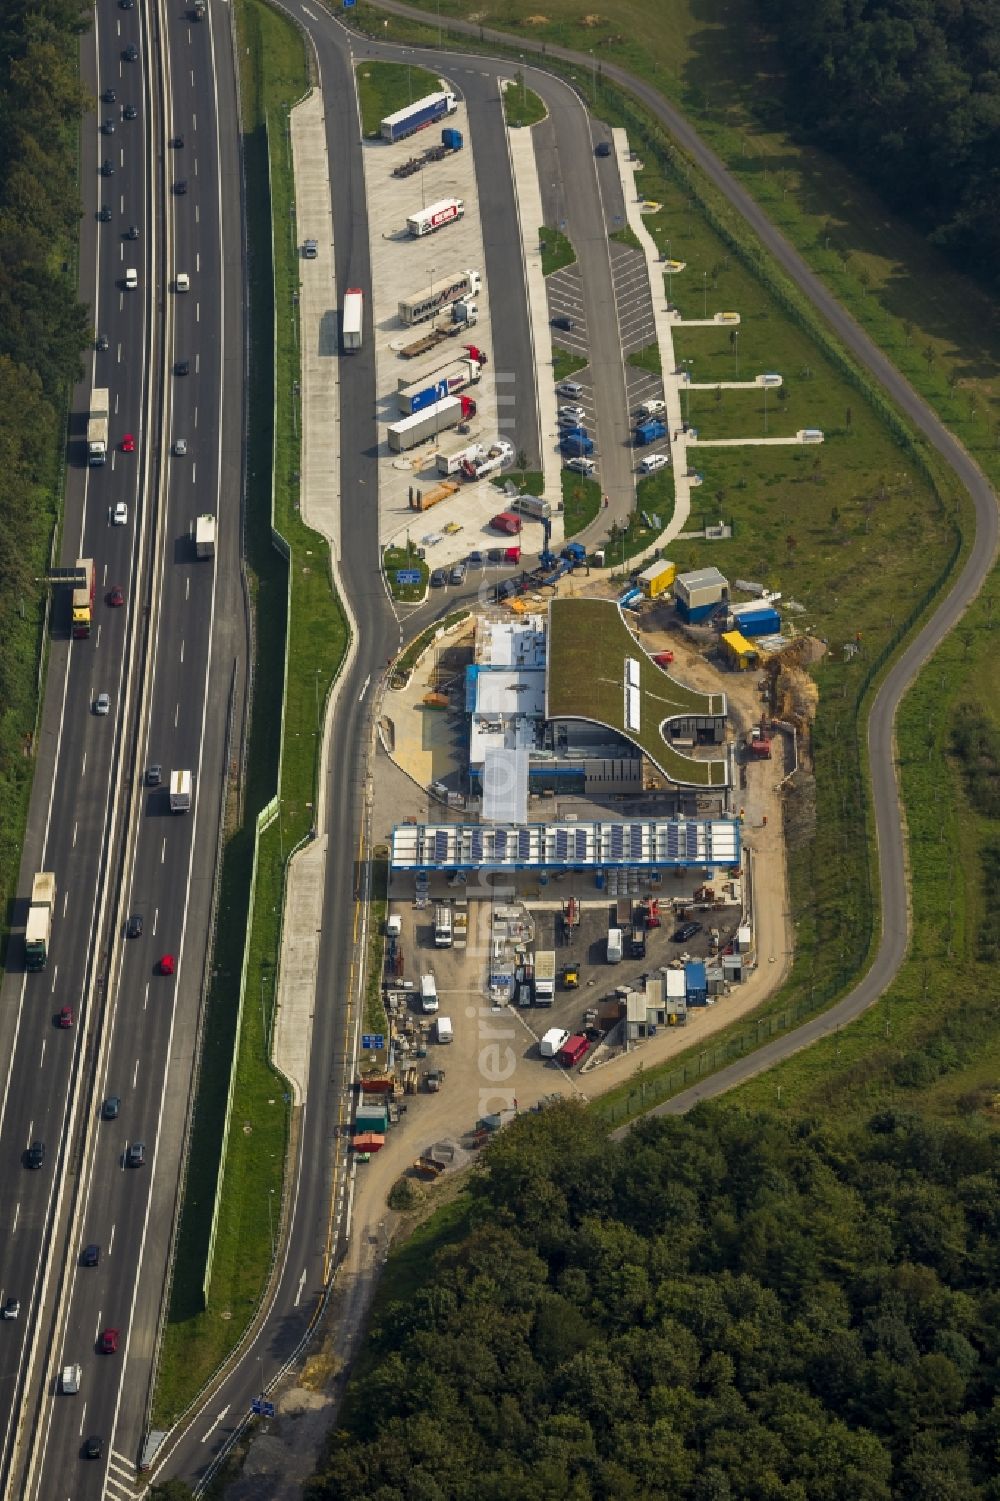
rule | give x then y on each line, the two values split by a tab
722	1306
43	330
908	93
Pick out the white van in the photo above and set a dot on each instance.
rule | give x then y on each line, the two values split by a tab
442	927
614	945
72	1375
653	408
444	1029
570	388
131	280
428	994
553	1042
183	282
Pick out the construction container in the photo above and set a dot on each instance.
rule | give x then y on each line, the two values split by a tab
698	594
656	578
732	968
743	939
695	983
764	620
715	980
676	986
738	651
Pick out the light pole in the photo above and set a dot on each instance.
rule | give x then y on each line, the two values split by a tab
736	350
704	282
687	390
670	277
765	409
593	72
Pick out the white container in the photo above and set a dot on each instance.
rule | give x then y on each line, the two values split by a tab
428	994
444	1030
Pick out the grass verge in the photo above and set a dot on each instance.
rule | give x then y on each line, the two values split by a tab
294	598
557	251
521	107
566	365
383	88
581	501
627	236
647	359
406	661
378	906
395	558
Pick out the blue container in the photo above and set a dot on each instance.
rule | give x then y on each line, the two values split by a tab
422	399
576	445
695	983
696	613
759	623
649	432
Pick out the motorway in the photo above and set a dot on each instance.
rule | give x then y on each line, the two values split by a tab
113	844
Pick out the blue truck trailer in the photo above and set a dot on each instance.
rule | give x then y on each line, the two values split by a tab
649	432
405	122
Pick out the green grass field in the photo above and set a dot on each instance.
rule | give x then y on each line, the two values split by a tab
394	558
581	501
566	365
522	107
383	88
557	252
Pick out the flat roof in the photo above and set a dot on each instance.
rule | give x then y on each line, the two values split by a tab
700	577
590	647
673	843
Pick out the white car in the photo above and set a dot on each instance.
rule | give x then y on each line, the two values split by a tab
119	514
102	703
572	414
570	388
581	465
180	447
652	408
654	461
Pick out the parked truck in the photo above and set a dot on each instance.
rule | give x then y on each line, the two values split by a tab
451	141
204	536
576	443
452	462
428	221
196	12
447	382
353	320
97	426
487	461
447	289
417	116
442	927
445	414
38	931
532	505
425	500
554	1040
83	598
649	431
461	316
573	1051
180	792
545	977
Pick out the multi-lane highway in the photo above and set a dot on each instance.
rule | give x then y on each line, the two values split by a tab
111	840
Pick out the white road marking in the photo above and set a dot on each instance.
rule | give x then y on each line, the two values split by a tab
65	902
83	1419
75	827
83	768
145	999
299	1290
97	1327
135	1074
55	973
163	852
156	918
187	588
210	1431
368	681
17	1211
41	1061
98	637
112	1240
177	715
182	651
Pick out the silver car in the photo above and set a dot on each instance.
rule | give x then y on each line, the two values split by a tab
102	703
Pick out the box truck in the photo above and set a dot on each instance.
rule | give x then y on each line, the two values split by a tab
545	977
447	289
353	319
415	396
442	927
180	792
38	932
614	945
428	994
416	116
97	426
204	536
83	598
427	220
555	1039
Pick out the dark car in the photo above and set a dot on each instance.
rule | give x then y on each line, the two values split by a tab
458	573
35	1155
475	559
134	928
182	367
566	324
111	1108
102	343
181	185
108	127
94	1447
438	578
104	214
505	590
603	148
131	53
107	168
130	112
91	1255
495	554
177	143
686	931
136	1155
109	96
12	1308
154	776
132	233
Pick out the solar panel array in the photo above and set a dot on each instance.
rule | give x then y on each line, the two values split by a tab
668	842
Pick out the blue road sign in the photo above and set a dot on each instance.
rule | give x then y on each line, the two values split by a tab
348	4
262	1409
406	576
373	1041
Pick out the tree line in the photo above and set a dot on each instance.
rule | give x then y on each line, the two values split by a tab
908	92
43	330
721	1307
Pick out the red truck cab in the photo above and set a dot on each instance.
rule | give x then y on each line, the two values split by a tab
507	522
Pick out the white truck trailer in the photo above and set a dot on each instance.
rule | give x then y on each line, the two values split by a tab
97	426
204	536
180	792
428	220
447	289
353	319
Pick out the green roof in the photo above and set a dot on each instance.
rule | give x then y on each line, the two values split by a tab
588	646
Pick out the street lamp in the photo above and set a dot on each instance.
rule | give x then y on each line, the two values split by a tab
670	277
736	350
687	390
704	282
593	70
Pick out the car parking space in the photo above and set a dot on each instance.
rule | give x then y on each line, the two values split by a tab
566	312
635	309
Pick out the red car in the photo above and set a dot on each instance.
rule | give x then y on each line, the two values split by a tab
663	658
66	1017
109	1341
116	597
167	964
128	443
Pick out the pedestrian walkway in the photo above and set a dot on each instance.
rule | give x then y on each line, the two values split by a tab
528	197
319	491
664	337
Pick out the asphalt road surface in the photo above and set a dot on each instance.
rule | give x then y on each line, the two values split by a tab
885	793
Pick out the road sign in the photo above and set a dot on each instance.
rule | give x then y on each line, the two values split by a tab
373	1041
262	1409
406	576
348	4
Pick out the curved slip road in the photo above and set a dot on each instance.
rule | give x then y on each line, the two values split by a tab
895	914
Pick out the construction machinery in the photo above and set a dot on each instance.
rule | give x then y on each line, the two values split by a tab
425	500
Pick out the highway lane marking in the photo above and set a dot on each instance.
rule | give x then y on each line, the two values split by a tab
156	918
83	768
182	651
145	999
308	12
219	1419
177	715
194	122
17	1211
41	1061
54	974
98	637
83	1419
135	1074
163	852
197	260
194	474
65	903
302	1279
192	78
112	1240
197	312
31	1127
187	588
368	681
97	1326
197	214
75	827
196	415
105	573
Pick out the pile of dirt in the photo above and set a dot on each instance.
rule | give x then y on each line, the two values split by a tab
536	20
795	696
799	806
593	21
